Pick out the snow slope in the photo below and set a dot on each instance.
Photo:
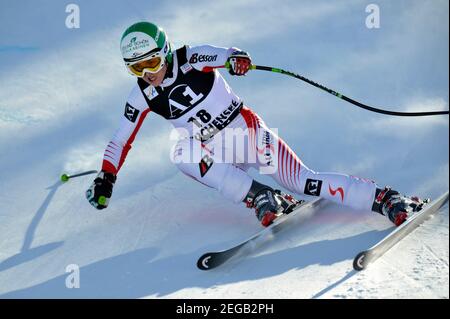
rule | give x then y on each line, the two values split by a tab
142	248
59	104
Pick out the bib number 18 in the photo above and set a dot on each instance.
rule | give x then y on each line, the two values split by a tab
201	115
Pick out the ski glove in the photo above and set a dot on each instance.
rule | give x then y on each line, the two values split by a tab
100	191
238	63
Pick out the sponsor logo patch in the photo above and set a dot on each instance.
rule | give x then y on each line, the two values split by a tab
313	187
202	58
182	99
185	68
135	44
205	164
131	113
151	92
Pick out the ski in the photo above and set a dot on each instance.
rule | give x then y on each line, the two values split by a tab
212	260
363	258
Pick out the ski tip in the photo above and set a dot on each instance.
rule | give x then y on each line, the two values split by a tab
203	261
359	263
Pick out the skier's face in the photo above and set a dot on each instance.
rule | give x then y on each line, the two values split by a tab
155	79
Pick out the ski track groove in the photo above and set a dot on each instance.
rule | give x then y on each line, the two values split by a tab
144	224
396	270
430	250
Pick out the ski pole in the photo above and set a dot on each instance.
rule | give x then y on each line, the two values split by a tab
337	94
343	97
66	177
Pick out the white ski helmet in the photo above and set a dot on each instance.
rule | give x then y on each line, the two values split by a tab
145	41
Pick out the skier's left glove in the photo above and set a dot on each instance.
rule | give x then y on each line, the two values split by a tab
239	63
100	191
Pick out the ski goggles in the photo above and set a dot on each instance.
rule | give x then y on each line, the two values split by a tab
151	65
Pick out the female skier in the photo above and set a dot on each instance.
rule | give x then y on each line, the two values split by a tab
185	87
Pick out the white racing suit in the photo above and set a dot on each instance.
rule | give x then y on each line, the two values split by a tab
221	139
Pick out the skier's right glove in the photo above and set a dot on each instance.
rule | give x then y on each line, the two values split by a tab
100	191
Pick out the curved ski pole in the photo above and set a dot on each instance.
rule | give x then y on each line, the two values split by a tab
337	94
343	97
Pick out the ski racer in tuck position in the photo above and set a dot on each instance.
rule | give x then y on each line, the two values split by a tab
185	87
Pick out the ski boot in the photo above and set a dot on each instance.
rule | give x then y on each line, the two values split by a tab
395	206
269	204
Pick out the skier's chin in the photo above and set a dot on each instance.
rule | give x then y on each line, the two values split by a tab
152	80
